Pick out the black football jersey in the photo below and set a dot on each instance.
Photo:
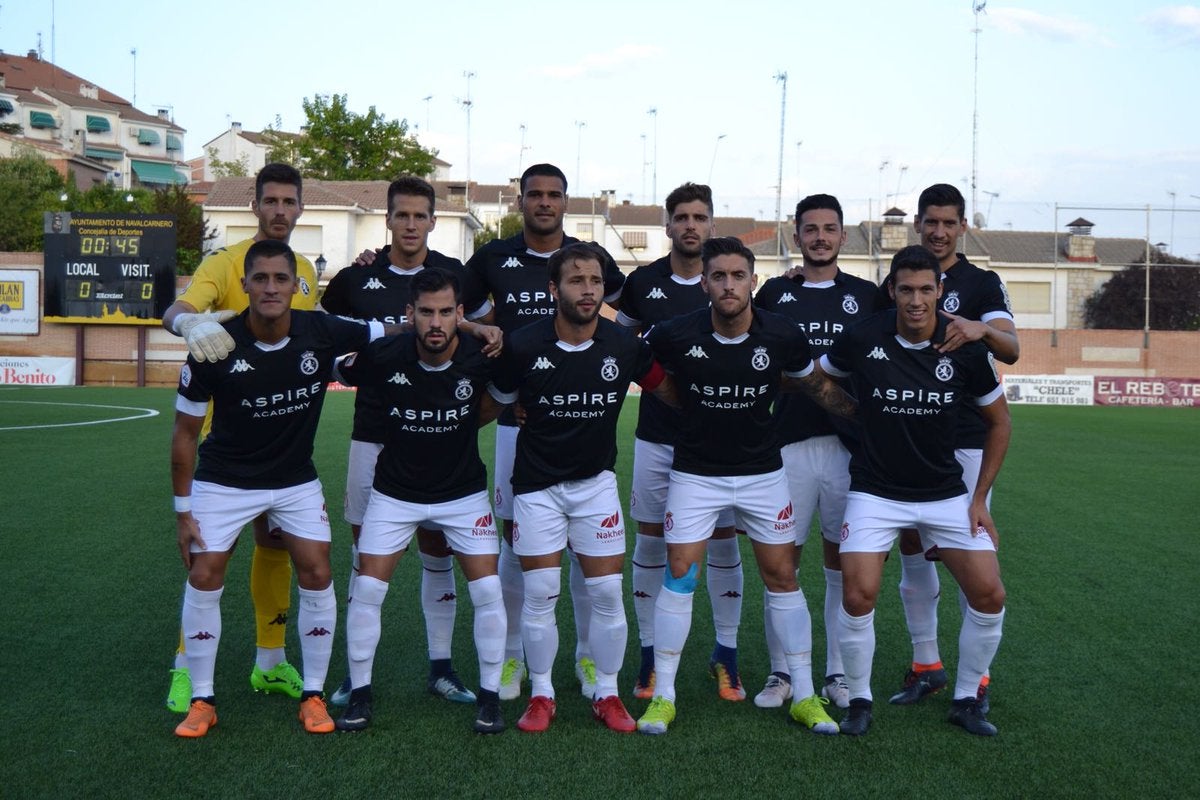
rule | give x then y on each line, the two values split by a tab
267	400
654	294
379	291
823	311
726	388
572	396
910	399
430	417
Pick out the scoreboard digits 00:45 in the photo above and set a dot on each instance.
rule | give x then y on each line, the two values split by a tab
110	245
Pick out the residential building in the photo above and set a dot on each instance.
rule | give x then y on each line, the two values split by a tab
86	128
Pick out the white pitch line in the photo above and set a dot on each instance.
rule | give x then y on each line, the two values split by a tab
146	412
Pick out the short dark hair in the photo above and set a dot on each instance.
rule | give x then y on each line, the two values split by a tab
816	201
725	246
688	193
278	173
268	248
433	279
942	194
546	171
412	186
578	251
916	259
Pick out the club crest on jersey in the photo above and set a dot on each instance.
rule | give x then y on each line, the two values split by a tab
656	294
760	360
185	376
849	304
464	390
944	369
305	289
512	263
950	302
609	369
308	362
373	283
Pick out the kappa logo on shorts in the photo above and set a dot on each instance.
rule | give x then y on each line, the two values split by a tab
696	352
951	302
656	294
374	283
609	370
668	521
787	298
512	263
464	390
845	534
543	363
944	369
760	360
878	353
611	521
308	362
849	304
240	366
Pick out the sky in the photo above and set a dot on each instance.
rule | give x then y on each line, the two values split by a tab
1080	103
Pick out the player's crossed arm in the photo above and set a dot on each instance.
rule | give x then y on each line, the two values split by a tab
998	335
824	392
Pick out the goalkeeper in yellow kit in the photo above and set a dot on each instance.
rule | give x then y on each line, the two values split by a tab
214	295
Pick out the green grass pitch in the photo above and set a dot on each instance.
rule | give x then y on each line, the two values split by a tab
1092	688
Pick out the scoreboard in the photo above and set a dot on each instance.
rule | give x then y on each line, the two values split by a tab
108	268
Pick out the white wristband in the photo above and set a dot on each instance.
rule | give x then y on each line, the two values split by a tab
182	504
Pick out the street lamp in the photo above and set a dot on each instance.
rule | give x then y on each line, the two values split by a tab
320	264
713	163
579	126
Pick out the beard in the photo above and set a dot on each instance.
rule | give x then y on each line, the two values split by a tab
440	346
576	317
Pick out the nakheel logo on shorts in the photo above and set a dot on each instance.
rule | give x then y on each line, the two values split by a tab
785	519
845	534
610	527
668	521
484	527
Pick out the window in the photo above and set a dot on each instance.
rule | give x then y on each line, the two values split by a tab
148	136
634	240
1029	297
42	119
583	230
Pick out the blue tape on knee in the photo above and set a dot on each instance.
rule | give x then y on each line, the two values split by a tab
684	585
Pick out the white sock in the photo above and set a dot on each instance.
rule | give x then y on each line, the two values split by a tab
201	626
609	631
649	561
978	642
439	603
363	628
856	636
919	589
267	658
512	584
317	622
490	629
581	605
725	581
793	626
963	605
774	646
539	629
672	621
355	565
833	601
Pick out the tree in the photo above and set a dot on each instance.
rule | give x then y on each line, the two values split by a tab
192	231
338	144
29	186
510	225
238	168
1174	296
